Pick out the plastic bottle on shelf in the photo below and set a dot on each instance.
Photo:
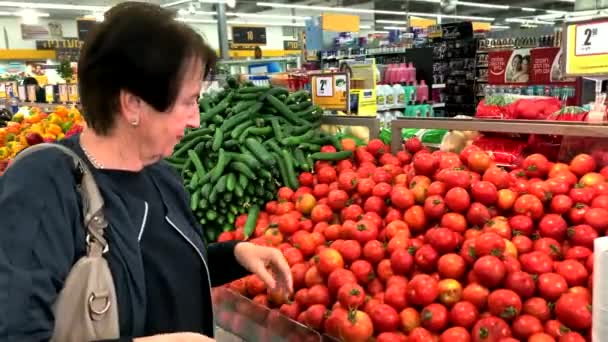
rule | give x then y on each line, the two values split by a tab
411	72
403	74
389	96
380	97
422	92
399	93
389	74
410	93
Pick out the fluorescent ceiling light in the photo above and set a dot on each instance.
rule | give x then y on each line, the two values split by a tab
230	3
529	26
556	12
198	21
269	16
528	21
187	12
365	27
32	13
395	28
44	5
174	3
528	9
382	21
329	9
238	22
499	27
464	17
481	5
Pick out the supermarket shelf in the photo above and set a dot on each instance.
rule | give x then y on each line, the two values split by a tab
499	126
370	122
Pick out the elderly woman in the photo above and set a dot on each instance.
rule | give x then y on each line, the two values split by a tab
140	76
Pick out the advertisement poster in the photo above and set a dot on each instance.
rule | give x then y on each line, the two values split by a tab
526	66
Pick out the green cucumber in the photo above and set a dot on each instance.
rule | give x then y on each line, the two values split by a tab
331	156
252	219
230	181
289	167
194	199
222	162
260	152
243	169
221	107
218	138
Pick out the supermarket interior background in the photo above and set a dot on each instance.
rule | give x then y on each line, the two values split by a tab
430	169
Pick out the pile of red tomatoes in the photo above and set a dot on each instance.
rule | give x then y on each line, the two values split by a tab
423	246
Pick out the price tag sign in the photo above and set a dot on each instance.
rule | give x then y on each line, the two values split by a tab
49	94
22	93
589	39
31	93
73	94
63	93
585	48
330	91
325	87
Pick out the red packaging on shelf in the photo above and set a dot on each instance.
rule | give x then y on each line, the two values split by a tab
536	108
505	151
570	113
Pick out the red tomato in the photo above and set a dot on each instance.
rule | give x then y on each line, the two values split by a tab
450	291
541	337
402	197
497	176
338	278
490	329
549	246
321	213
555	329
420	334
525	326
384	270
434	207
426	258
413	145
425	164
318	294
365	186
373	251
597	218
363	271
476	294
577	213
521	224
561	204
457	199
600	201
536	262
537	307
442	239
536	165
402	261
522	243
575	310
391	336
357	327
551	286
489	270
395	297
434	317
385	318
479	161
484	192
410	319
293	256
422	290
504	303
573	271
415	218
454	221
522	283
327	175
582	164
572	337
451	266
350	250
375	287
463	314
580	194
489	244
365	231
553	226
351	295
582	235
529	205
579	253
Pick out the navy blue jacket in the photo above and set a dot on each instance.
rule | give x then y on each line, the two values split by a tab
42	236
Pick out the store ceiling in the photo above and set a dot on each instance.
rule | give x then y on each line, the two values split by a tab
420	6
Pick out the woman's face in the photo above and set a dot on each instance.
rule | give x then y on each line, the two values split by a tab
524	65
516	63
161	131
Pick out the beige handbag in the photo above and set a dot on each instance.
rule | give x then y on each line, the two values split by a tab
86	308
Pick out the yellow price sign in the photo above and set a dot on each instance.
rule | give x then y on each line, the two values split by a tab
585	47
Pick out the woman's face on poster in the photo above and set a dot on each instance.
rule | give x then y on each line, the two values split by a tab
516	63
524	65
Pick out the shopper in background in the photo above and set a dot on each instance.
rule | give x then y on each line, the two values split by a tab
140	75
40	95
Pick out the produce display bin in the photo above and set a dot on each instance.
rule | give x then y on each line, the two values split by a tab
237	319
566	129
370	122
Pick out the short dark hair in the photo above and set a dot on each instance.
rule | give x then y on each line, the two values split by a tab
140	48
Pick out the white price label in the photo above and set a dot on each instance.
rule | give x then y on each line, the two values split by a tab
324	86
591	39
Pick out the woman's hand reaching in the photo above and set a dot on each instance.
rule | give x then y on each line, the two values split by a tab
175	337
267	263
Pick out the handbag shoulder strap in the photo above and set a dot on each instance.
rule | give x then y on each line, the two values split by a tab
92	202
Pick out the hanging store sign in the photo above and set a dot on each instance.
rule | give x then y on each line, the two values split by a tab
291	45
585	48
52	44
249	35
330	91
